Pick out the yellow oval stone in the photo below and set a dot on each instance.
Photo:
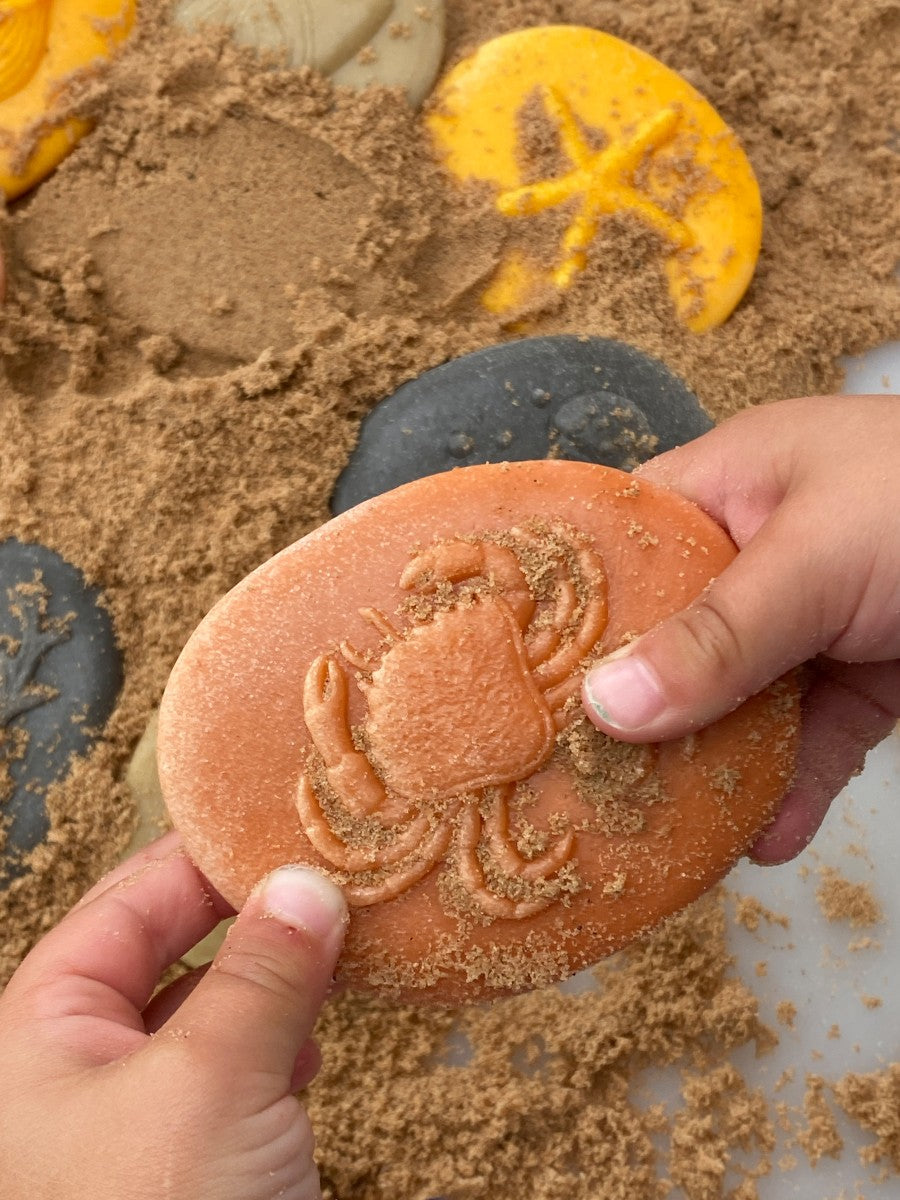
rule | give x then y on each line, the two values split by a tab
23	42
632	136
42	44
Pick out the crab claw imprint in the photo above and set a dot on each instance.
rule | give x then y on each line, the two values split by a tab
462	705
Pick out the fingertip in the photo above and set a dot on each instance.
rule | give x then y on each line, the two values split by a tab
624	695
847	709
660	468
306	901
783	841
796	823
693	469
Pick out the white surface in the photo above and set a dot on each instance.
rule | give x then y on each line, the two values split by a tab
876	372
812	964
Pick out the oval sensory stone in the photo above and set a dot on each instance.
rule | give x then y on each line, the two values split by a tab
562	119
60	674
393	43
42	44
224	308
142	778
587	399
394	700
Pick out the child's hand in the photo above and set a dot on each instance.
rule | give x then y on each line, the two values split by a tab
810	492
187	1097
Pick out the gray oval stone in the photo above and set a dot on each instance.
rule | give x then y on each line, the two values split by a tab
60	674
588	399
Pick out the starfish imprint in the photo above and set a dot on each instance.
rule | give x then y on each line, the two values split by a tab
603	178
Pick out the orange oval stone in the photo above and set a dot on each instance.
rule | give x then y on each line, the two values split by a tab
394	700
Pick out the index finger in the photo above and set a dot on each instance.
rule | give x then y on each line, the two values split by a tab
162	847
105	958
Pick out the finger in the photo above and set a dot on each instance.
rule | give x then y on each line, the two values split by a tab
307	1065
737	479
848	709
105	958
258	1003
762	616
166	1003
161	848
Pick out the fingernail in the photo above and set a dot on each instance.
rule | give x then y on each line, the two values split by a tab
625	693
304	899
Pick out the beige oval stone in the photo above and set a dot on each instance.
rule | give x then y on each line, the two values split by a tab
207	950
142	778
395	43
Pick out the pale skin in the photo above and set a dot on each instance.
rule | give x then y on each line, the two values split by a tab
187	1097
190	1096
810	492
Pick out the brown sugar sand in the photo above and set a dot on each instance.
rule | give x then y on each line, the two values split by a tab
547	1095
821	1137
179	392
873	1100
840	899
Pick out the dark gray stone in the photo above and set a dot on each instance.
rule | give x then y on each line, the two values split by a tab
60	674
588	399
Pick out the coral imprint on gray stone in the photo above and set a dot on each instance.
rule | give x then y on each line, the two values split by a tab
20	691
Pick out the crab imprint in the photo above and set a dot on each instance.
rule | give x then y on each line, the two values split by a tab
463	704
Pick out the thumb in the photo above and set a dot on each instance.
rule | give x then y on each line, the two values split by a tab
762	616
257	1004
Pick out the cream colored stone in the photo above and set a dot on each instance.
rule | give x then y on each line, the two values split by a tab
397	43
405	52
207	950
142	778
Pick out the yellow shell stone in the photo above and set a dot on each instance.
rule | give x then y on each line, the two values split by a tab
23	42
42	44
638	139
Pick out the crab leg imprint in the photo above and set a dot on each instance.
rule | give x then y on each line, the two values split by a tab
348	770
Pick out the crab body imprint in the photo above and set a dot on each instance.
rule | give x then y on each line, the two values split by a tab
473	663
469	699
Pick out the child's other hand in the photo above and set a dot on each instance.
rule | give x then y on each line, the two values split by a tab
188	1096
810	492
